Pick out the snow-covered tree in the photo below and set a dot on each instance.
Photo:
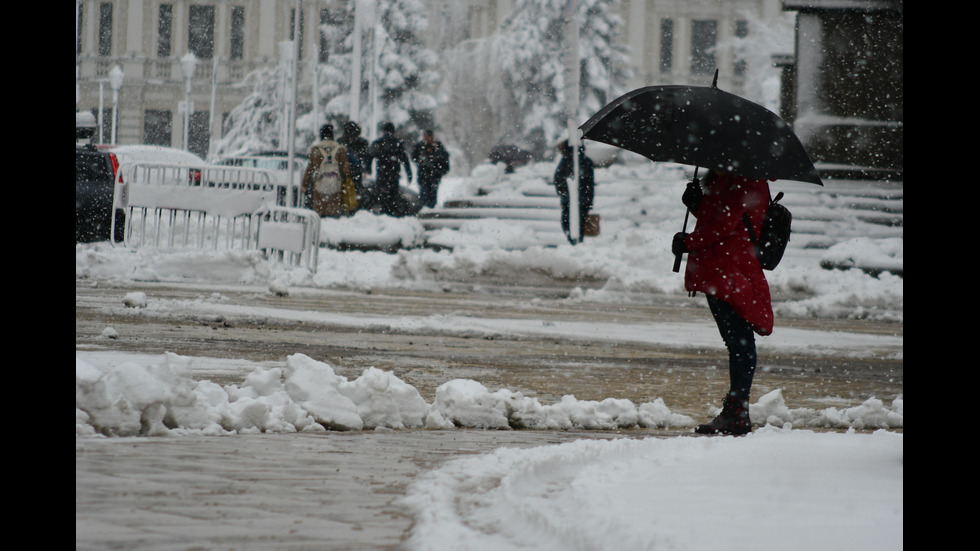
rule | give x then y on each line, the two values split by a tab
519	71
257	123
405	72
763	37
404	76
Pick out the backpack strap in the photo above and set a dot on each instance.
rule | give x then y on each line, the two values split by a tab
748	225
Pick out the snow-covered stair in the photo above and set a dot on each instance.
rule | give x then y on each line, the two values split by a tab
840	211
531	211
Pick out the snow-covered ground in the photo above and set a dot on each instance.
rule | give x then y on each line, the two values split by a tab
772	490
788	485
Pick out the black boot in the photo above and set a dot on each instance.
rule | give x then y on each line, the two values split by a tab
733	419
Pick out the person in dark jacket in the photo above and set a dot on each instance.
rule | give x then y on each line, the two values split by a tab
357	151
586	188
432	161
388	154
722	264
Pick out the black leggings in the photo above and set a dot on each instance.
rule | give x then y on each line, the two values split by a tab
740	341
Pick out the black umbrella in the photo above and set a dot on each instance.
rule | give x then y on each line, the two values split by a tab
510	155
705	127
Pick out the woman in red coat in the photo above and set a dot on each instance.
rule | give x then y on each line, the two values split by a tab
722	264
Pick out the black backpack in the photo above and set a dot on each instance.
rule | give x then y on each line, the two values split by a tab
771	243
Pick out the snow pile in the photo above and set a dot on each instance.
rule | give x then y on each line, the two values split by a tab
884	254
467	403
154	399
676	493
369	229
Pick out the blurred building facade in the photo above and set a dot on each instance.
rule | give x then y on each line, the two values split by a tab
147	39
670	42
843	86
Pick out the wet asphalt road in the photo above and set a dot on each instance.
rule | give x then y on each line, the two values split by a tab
341	490
689	380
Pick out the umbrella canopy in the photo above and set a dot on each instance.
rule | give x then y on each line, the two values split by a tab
705	127
509	154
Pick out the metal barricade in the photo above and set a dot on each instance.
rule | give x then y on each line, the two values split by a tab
289	235
211	207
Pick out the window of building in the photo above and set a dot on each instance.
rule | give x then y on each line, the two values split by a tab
292	29
200	36
237	32
104	124
78	29
666	45
200	133
704	36
158	127
105	29
165	29
741	33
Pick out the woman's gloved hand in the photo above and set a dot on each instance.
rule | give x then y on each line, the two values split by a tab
678	246
692	195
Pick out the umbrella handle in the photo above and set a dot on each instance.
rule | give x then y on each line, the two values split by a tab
677	259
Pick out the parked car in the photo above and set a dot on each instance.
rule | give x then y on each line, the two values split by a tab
270	160
278	163
95	173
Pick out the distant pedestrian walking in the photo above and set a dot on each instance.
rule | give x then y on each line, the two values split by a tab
357	151
327	185
432	161
586	188
388	154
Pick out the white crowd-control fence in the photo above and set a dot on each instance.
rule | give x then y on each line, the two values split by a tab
214	207
289	234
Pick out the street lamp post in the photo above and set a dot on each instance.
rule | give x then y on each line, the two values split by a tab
115	80
572	79
291	132
188	64
101	111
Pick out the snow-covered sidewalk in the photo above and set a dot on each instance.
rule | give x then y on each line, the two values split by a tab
772	490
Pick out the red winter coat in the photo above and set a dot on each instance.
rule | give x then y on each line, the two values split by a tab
722	260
